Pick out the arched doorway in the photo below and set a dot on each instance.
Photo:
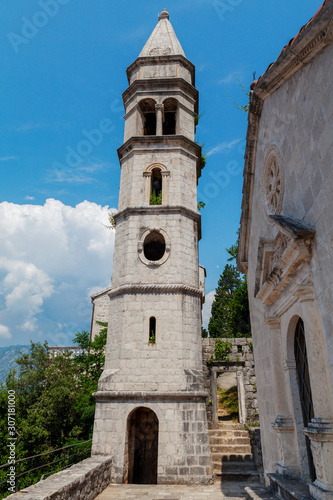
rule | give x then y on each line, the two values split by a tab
142	446
304	386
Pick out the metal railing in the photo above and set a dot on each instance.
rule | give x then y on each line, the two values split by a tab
64	457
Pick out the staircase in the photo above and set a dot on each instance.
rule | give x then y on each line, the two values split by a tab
231	453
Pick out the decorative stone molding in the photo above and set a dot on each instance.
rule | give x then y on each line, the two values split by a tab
273	322
292	248
149	396
160	209
151	167
147	174
273	181
175	143
301	293
255	110
280	244
283	423
162	260
289	364
284	427
155	288
320	433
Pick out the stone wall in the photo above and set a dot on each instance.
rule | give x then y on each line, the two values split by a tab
296	119
241	359
83	481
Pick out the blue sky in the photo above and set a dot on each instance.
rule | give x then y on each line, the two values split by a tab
63	72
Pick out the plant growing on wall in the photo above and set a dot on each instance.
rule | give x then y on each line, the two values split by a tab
155	199
222	350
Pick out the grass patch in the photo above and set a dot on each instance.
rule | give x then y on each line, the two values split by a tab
228	399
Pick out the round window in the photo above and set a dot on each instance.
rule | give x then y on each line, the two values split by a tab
154	246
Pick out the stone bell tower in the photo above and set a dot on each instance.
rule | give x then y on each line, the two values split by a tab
150	412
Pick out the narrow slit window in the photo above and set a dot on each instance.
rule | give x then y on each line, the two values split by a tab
152	330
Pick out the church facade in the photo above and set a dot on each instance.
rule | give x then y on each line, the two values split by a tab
150	406
286	250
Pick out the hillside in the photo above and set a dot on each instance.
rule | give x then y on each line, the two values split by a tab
7	358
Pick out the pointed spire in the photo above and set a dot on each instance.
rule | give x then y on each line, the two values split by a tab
164	15
163	41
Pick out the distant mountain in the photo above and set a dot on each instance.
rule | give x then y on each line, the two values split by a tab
7	359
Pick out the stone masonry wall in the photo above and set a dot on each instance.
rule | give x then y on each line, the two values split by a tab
241	352
83	481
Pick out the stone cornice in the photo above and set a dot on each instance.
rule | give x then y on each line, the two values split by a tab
155	288
315	36
144	61
99	294
249	166
149	396
158	84
320	429
283	423
160	143
160	209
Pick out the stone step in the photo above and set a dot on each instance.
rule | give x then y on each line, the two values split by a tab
228	432
229	440
256	492
219	457
231	449
289	489
241	466
238	476
233	457
228	426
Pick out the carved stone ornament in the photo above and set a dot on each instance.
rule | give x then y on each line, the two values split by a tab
160	51
280	244
273	183
279	261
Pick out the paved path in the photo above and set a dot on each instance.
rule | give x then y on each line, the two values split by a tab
176	492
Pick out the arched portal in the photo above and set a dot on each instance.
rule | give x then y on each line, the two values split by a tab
142	452
304	386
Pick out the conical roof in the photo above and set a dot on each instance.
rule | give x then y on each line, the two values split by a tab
163	41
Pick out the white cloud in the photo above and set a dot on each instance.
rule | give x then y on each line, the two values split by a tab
223	146
4	332
29	198
51	257
234	77
27	126
78	174
206	310
7	158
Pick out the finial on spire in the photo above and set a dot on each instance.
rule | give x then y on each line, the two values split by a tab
164	15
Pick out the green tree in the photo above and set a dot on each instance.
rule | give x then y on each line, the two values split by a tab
230	309
54	403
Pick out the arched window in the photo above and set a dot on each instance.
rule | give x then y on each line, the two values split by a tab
304	386
156	187
148	114
152	330
170	116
